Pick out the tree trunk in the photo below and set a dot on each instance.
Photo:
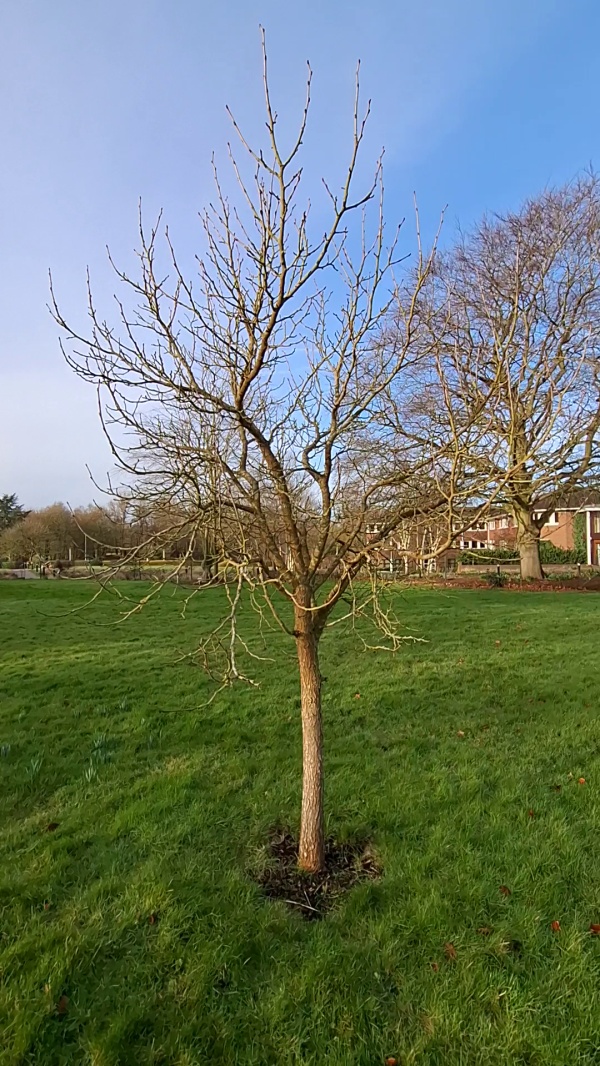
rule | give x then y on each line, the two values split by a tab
528	543
311	853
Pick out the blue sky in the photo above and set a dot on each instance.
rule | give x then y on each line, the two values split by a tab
479	104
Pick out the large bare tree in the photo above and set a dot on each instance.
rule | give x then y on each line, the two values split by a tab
255	400
513	313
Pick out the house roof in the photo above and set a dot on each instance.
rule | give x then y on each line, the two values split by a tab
571	501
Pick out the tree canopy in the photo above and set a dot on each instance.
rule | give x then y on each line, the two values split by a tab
11	511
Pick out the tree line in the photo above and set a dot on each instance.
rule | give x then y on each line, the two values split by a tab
94	534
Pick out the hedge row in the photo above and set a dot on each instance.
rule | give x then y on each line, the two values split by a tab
549	553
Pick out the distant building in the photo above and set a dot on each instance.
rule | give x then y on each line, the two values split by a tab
559	528
410	546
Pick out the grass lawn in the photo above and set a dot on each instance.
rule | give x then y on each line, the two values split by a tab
132	933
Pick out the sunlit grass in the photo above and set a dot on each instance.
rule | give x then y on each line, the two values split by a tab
139	908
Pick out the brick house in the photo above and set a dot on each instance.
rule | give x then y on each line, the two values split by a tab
407	550
477	536
413	545
559	529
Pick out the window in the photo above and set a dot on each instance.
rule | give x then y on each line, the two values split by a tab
597	523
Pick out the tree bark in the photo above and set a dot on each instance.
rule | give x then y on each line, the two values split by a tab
528	543
311	852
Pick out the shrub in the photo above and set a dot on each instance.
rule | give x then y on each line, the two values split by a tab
549	553
495	579
489	555
579	535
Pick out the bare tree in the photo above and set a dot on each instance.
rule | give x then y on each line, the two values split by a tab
255	398
41	535
513	312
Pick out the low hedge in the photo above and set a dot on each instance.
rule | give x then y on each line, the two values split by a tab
549	553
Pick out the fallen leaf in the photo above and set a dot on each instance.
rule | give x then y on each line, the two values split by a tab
505	890
63	1005
450	952
581	781
485	930
595	929
435	965
530	813
153	919
497	643
391	1061
52	826
460	733
357	696
47	905
555	926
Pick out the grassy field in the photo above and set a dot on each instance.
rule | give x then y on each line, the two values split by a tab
131	931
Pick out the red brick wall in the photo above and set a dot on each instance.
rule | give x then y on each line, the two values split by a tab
560	534
502	538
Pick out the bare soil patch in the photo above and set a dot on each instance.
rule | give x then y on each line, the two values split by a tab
312	895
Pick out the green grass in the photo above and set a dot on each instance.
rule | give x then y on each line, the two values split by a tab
163	804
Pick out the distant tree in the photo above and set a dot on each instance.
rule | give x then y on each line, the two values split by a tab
45	534
18	543
512	312
10	511
97	530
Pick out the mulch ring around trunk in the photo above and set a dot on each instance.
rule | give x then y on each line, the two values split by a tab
312	895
